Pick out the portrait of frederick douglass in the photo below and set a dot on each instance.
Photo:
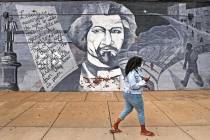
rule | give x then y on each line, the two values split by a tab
102	31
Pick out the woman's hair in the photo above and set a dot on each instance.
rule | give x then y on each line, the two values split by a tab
133	63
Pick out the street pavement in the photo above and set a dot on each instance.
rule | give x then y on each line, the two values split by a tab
171	115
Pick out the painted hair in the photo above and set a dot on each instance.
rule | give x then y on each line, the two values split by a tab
133	63
189	46
81	26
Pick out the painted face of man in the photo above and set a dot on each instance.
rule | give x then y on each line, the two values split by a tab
105	38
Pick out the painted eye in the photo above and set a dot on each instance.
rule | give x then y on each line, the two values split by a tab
115	31
97	31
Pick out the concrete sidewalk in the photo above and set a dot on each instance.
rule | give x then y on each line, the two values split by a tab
172	115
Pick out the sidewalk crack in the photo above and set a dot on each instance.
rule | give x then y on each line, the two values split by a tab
110	120
54	120
19	115
174	122
86	96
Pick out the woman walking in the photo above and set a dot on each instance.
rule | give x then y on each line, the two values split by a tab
134	84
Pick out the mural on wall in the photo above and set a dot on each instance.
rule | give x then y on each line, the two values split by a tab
86	47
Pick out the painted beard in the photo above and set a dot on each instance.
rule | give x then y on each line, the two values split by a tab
108	55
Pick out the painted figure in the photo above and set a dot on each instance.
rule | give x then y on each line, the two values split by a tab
102	35
191	58
8	60
10	27
133	90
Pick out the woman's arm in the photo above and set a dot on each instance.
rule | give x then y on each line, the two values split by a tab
135	81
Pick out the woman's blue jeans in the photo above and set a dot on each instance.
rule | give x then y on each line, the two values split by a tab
133	101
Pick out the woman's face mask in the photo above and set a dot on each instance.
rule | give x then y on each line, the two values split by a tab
141	64
139	68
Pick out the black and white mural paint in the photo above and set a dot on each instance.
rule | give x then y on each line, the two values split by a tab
84	45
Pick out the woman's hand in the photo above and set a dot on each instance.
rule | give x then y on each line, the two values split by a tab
146	79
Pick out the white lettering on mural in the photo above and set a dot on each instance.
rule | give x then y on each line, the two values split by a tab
47	43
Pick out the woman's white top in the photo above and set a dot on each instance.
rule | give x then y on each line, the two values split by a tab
134	82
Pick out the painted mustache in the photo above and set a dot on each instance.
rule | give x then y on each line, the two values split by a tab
107	55
108	50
